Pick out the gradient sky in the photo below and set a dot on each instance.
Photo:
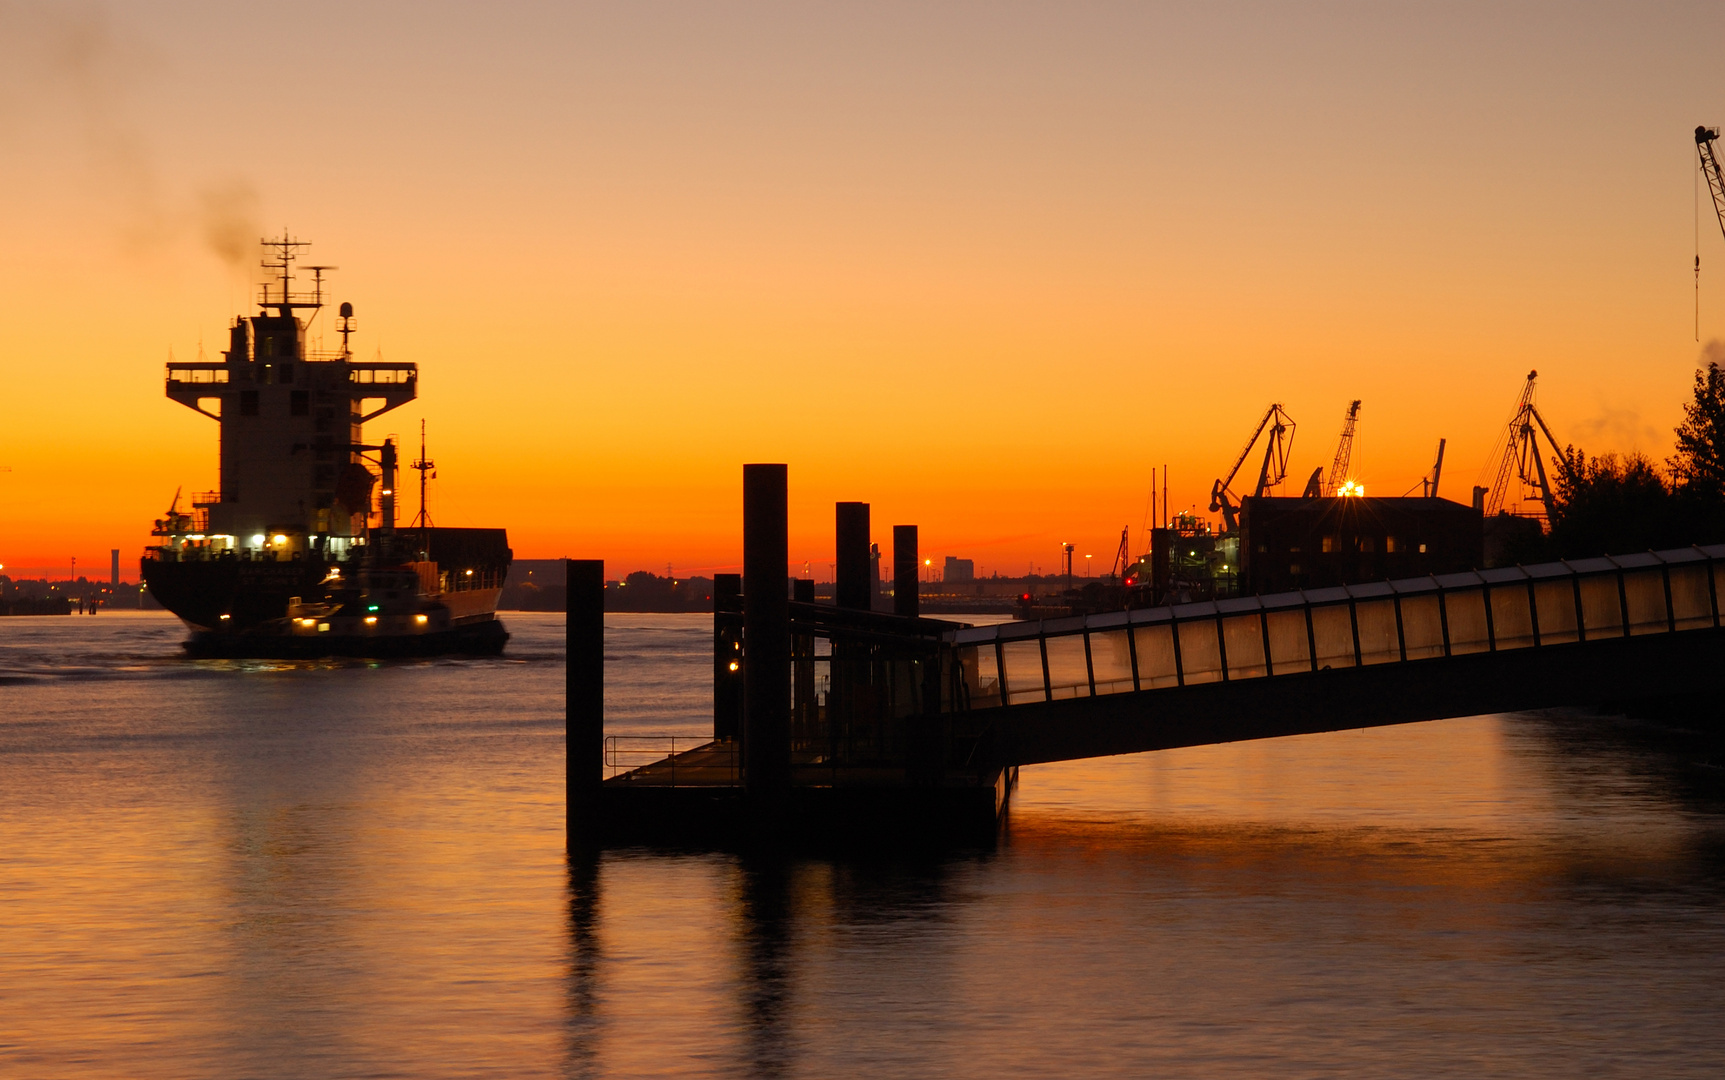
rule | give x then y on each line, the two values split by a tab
981	265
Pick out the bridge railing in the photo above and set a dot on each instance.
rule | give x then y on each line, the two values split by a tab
1401	621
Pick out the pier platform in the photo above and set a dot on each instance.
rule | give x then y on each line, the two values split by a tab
697	795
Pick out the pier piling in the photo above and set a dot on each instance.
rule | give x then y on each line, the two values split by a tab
584	701
905	571
727	656
766	632
853	584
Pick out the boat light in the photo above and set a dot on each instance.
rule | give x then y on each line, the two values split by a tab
420	619
258	540
371	620
280	539
308	622
733	665
373	607
470	573
224	618
322	627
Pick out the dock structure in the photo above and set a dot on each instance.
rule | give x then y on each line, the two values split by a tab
890	724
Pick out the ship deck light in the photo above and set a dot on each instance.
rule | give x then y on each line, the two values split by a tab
258	540
420	619
371	620
280	539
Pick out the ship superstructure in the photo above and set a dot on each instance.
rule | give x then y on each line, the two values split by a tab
297	550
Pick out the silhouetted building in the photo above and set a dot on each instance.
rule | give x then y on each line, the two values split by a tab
1311	543
959	570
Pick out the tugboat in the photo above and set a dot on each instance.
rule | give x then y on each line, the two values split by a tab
293	556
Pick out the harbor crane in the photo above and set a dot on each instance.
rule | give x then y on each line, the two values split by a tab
1704	149
1522	456
1344	450
1429	484
1704	139
1273	471
1315	485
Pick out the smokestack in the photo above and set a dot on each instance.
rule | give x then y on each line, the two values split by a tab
853	587
114	568
904	570
766	631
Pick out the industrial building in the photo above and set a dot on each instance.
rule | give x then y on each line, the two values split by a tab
1308	543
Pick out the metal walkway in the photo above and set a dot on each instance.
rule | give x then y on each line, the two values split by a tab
1578	632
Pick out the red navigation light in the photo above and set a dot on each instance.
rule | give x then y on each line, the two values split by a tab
1025	597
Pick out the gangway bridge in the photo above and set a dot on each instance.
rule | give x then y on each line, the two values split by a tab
833	714
1578	632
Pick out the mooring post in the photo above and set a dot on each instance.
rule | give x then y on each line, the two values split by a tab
727	656
766	631
584	693
905	571
852	587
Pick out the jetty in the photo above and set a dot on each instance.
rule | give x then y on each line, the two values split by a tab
836	721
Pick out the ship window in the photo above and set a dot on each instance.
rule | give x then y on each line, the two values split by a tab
248	402
300	403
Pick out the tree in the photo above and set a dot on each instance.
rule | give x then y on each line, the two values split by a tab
1611	506
1699	464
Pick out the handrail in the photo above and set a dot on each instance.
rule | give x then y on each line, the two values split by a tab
636	763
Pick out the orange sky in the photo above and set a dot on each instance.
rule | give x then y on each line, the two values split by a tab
981	266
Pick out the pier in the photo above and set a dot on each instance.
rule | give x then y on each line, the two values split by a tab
834	720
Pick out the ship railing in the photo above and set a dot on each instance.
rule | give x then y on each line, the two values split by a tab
672	760
197	373
1401	621
382	374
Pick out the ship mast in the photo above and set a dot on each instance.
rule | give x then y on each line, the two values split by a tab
424	465
287	250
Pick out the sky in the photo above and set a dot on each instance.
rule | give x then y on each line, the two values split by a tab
981	265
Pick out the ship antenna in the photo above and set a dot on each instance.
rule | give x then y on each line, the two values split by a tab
317	294
286	251
424	465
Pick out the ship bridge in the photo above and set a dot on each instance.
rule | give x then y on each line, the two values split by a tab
291	419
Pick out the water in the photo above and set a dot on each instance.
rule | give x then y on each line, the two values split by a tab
226	869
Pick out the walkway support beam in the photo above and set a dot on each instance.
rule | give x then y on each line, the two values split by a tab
766	631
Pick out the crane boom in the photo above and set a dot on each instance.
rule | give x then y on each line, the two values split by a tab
1273	471
1704	138
1522	456
1344	451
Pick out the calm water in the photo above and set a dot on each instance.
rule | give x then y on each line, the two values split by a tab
222	869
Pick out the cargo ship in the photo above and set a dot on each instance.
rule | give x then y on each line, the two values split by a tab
297	553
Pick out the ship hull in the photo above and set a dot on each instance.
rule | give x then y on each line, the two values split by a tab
483	636
249	593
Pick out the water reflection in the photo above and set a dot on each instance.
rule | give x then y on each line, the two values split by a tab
1516	896
361	872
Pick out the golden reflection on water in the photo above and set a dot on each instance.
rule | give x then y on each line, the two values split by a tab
284	873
